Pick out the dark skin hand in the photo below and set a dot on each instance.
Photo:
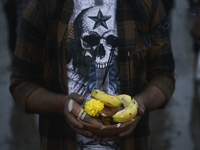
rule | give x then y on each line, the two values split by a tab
149	99
72	120
44	102
130	130
79	128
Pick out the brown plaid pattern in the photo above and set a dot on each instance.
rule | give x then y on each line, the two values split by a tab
145	59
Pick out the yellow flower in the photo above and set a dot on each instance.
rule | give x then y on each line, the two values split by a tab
93	106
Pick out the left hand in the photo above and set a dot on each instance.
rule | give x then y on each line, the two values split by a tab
141	111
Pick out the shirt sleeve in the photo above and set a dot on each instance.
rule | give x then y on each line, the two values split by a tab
28	61
161	64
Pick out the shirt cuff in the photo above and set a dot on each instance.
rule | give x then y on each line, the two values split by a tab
22	91
166	85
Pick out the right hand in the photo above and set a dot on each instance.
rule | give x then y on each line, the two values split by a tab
71	119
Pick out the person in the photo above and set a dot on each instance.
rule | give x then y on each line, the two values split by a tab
196	44
63	51
168	6
10	10
13	10
21	6
195	31
192	3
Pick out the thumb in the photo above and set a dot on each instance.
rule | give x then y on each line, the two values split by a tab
78	98
140	111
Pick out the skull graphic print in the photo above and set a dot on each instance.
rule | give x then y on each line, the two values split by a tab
90	38
95	34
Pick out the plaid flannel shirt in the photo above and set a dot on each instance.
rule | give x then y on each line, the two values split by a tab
21	6
145	58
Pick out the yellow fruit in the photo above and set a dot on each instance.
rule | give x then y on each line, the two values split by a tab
125	99
134	102
127	114
108	100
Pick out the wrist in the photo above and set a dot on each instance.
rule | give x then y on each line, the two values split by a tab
141	106
62	103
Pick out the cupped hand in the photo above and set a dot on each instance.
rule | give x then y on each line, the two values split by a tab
72	120
129	130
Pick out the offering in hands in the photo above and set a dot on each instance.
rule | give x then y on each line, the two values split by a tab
111	109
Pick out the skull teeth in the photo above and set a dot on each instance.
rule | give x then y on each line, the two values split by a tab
101	66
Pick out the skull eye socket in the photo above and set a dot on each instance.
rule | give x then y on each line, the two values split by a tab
90	41
110	40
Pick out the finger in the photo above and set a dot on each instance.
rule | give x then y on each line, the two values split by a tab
130	130
140	111
83	132
78	98
78	127
72	120
127	132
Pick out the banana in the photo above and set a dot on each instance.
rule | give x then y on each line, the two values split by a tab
134	102
125	99
127	113
108	100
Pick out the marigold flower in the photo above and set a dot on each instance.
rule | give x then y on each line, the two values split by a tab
93	106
